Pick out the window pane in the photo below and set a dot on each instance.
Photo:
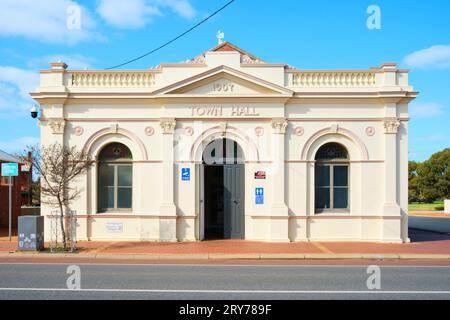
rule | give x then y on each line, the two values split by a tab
340	176
332	151
322	198
340	198
115	152
124	196
125	176
106	175
322	176
106	198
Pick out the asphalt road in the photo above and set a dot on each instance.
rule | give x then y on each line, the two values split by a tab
429	223
266	282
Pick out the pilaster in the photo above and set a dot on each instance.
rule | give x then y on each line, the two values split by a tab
167	226
279	211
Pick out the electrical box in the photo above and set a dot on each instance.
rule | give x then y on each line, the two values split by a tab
30	233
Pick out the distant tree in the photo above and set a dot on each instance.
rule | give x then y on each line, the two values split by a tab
413	189
58	167
36	192
433	177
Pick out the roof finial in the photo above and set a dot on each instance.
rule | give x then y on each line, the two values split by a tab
220	35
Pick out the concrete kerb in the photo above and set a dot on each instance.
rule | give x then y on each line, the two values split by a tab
282	256
227	256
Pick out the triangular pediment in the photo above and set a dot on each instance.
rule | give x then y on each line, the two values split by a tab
246	57
223	80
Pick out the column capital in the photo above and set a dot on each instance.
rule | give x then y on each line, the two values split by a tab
57	126
391	126
168	125
279	125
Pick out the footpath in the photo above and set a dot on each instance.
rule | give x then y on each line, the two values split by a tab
423	245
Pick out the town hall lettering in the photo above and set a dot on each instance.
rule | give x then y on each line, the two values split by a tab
220	111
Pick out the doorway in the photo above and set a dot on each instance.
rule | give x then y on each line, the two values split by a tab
223	190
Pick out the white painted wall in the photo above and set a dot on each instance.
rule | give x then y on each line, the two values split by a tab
353	115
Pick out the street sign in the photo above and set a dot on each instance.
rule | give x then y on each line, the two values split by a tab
10	169
185	174
259	195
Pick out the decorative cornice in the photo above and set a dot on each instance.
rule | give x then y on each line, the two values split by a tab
279	125
391	126
168	125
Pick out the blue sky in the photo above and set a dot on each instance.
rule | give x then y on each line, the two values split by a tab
306	34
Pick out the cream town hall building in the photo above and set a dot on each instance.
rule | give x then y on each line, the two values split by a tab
230	146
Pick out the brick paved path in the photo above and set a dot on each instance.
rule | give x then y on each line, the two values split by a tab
422	242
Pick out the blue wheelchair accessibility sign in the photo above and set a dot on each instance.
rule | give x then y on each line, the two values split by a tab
259	195
185	174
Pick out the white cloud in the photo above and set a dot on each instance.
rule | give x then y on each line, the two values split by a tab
25	80
18	145
435	57
133	14
45	20
127	14
15	84
422	110
181	7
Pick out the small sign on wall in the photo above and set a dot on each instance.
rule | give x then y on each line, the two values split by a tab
114	227
185	174
259	195
260	175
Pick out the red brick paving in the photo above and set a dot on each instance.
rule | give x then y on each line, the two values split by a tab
421	243
5	245
216	246
437	214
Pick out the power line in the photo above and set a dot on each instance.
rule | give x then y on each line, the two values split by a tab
172	40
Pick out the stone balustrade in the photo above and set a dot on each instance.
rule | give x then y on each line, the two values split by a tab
112	79
332	79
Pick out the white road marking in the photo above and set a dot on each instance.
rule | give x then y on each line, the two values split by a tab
230	291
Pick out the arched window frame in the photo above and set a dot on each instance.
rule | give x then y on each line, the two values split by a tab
332	176
229	152
120	167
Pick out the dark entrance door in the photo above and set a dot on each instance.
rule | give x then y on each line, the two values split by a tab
224	195
233	184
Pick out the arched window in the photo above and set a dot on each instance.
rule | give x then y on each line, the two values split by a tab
223	151
115	178
331	178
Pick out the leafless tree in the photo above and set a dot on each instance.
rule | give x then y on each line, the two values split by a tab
58	167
